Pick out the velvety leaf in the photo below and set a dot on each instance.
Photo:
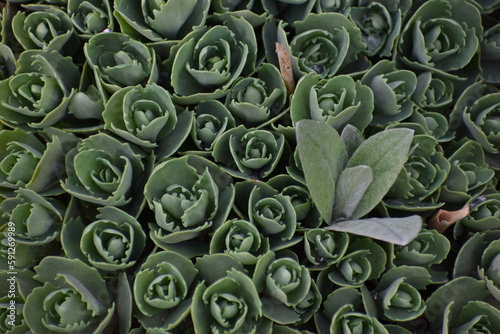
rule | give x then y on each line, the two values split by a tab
323	156
386	153
399	231
352	185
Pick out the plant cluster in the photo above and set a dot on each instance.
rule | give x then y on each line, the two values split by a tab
249	166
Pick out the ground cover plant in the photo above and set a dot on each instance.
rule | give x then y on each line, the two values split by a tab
253	166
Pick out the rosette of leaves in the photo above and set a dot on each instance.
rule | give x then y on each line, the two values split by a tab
8	62
392	90
256	100
433	93
288	10
337	101
484	215
28	162
461	305
118	61
324	248
45	27
431	123
229	304
285	287
363	260
306	213
477	111
418	185
37	96
113	241
469	173
37	219
241	239
380	23
338	6
479	257
249	153
159	21
399	295
211	120
147	117
443	37
269	211
428	249
90	17
190	197
102	170
349	310
325	43
73	297
206	62
490	49
162	290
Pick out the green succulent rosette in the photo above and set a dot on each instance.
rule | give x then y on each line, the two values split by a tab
37	96
418	185
479	257
28	162
306	213
484	215
112	241
432	123
147	117
230	304
399	295
325	43
256	100
392	91
73	298
269	211
469	173
337	101
461	306
206	62
251	10
443	37
324	248
45	27
8	62
103	171
349	310
380	23
211	120
118	61
249	153
241	239
163	290
433	93
428	250
159	21
489	54
286	288
363	260
190	198
476	112
37	219
90	17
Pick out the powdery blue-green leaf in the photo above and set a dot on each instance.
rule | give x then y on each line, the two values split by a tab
385	152
399	231
323	156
